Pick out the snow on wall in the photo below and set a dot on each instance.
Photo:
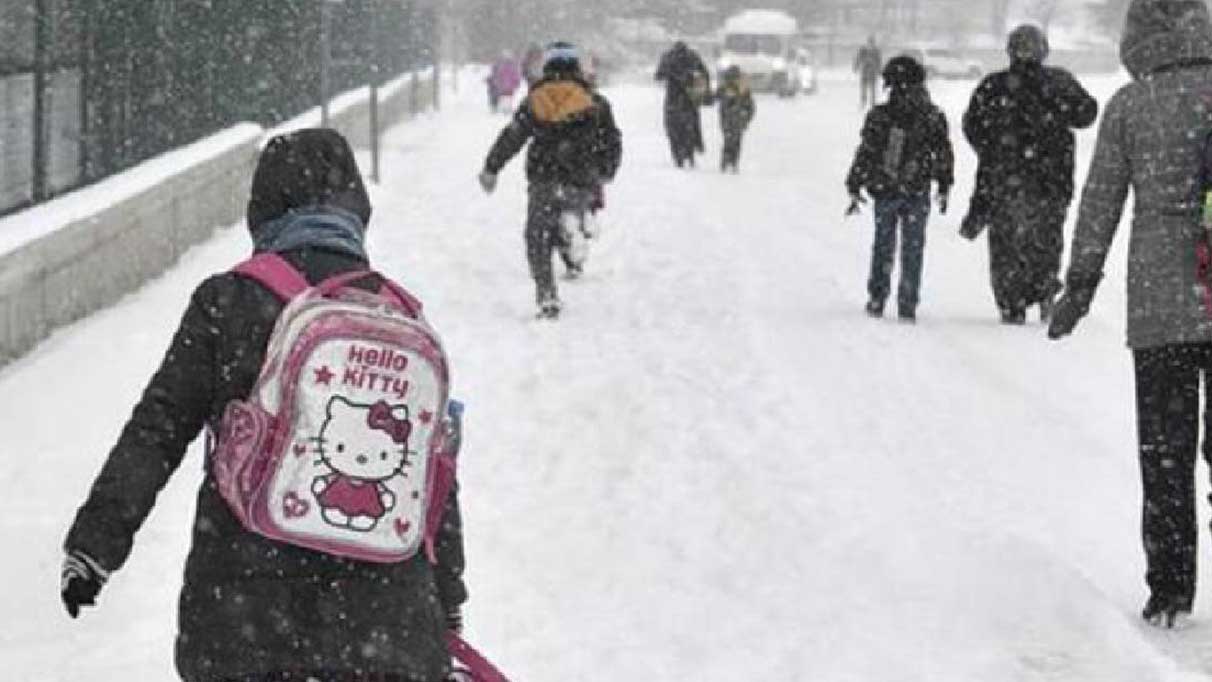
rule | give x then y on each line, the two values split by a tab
64	259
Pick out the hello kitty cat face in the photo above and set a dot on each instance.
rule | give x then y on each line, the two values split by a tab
367	442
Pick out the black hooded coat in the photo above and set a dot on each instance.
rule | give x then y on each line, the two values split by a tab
679	69
251	606
1020	122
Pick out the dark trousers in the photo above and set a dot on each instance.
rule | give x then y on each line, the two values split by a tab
549	203
910	215
1026	241
1168	412
732	148
684	129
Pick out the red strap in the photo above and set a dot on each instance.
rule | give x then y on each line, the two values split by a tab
389	289
481	669
275	273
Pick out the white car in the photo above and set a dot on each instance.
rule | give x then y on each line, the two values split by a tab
941	62
761	43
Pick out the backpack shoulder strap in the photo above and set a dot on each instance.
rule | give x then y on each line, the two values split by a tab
481	669
274	273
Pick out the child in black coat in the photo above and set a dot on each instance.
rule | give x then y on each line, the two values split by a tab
736	112
905	147
252	608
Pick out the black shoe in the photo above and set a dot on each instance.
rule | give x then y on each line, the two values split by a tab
1165	611
1014	317
573	272
875	308
549	305
907	315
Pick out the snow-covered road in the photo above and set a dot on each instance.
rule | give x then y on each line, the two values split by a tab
713	468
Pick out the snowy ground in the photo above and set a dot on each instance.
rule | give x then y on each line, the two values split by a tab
714	468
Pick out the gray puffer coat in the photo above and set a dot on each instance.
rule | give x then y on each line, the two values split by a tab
1150	140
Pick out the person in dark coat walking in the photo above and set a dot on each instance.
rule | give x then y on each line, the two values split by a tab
867	64
687	87
1020	122
1151	140
905	146
736	112
252	609
575	147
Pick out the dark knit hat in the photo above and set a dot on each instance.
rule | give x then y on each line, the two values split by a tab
312	167
902	72
1027	44
1162	33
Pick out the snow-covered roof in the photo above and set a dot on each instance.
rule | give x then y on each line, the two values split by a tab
762	21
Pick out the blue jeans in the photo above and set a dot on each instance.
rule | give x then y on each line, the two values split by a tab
910	214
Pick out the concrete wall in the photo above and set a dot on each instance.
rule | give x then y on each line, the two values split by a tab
104	249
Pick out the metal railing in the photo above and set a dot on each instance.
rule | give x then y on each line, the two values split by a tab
91	87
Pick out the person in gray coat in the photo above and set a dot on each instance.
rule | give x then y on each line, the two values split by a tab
1150	141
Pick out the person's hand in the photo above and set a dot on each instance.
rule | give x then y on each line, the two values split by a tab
856	204
1072	307
81	581
944	199
488	181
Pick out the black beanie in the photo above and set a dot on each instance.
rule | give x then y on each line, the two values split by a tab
1027	44
303	168
902	72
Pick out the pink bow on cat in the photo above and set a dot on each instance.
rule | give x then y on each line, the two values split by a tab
381	419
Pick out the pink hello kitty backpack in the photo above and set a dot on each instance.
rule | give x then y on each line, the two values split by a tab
341	447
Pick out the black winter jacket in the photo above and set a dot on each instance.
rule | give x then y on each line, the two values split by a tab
248	604
575	139
736	107
1020	123
887	168
682	70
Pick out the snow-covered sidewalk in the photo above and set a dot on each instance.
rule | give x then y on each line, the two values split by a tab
713	468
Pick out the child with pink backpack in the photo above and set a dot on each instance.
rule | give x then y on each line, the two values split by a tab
327	543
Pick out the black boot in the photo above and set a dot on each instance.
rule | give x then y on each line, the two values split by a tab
1014	316
875	308
1166	611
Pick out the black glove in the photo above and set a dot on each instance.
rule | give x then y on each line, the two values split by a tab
488	182
1072	306
972	227
944	198
81	581
454	619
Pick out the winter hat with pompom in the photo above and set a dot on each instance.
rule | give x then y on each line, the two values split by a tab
1165	33
561	59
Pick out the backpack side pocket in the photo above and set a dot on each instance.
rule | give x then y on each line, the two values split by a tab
243	435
